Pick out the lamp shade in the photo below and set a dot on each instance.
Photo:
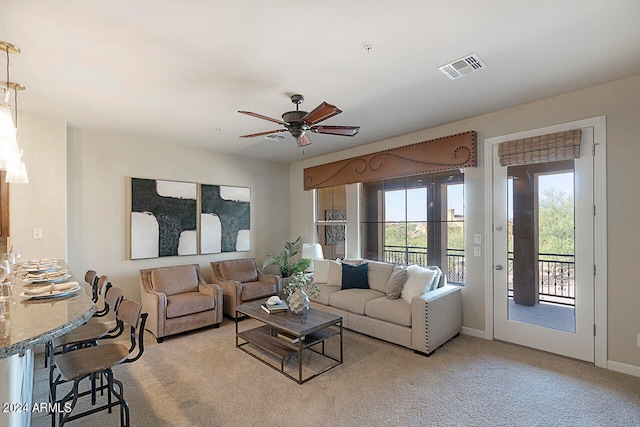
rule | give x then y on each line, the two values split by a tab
312	251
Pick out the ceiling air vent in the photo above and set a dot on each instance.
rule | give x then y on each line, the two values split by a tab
463	66
274	137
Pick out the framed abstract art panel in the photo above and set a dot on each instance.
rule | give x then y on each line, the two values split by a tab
163	218
225	219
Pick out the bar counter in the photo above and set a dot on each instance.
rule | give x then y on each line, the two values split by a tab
32	323
35	322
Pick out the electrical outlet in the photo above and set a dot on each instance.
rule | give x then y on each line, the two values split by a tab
37	233
477	239
477	251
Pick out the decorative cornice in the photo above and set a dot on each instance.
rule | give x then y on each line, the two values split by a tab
447	153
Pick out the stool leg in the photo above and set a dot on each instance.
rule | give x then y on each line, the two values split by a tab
74	392
124	406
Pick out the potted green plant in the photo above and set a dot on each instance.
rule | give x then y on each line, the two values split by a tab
284	260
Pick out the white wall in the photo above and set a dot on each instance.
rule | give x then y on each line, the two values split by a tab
620	102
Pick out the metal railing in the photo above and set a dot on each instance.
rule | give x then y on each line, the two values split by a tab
556	276
556	272
418	255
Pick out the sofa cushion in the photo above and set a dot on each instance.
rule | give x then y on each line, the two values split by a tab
355	277
255	290
323	295
419	281
242	270
175	280
439	280
394	311
188	303
378	275
327	271
353	300
396	282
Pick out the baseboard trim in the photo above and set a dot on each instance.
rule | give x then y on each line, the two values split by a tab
624	368
473	332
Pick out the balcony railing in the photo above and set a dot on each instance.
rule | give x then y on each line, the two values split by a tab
417	255
556	276
556	272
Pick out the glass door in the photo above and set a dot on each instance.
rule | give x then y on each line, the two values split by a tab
543	253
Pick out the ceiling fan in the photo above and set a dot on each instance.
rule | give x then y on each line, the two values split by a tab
299	122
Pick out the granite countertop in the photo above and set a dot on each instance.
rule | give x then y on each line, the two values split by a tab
32	322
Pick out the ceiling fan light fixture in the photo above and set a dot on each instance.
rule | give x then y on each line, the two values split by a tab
294	116
298	122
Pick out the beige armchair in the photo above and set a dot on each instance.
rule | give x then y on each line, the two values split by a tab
178	300
241	281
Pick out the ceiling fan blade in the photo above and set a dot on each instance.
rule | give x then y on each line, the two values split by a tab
262	133
260	116
320	113
303	140
336	130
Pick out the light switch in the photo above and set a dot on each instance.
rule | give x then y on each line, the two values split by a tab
477	251
37	233
477	239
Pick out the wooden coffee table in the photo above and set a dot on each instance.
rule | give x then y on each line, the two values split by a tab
314	325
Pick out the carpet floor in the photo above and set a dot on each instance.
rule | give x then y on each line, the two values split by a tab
201	379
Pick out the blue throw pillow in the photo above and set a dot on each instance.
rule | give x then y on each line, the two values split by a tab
355	276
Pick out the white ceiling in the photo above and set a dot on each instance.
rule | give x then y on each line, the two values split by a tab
179	71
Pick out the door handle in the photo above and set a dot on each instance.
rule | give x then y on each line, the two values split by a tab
498	267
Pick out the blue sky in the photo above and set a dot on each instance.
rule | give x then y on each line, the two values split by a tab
416	203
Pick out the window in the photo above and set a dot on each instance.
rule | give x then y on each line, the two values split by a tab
416	220
331	220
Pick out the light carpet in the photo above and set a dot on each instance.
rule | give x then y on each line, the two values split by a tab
201	379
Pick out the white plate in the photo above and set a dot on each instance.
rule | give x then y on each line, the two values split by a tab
54	294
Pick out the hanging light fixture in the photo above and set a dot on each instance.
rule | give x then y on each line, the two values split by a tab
10	153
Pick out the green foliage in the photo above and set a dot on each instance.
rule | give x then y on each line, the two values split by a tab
556	223
284	259
415	235
304	281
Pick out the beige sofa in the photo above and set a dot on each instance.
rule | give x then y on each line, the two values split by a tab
403	309
178	299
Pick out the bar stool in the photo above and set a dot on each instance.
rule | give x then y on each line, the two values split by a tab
99	286
98	361
85	336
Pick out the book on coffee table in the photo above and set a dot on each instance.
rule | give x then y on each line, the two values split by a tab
275	308
289	337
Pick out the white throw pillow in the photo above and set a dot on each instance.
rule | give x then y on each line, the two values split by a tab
335	274
321	270
418	282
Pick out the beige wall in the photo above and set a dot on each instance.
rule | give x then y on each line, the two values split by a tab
95	218
620	102
41	203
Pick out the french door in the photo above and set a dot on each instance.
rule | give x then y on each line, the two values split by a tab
543	253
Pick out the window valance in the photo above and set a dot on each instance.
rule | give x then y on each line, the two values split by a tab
447	153
552	147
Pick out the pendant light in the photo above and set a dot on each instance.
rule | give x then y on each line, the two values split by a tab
10	153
